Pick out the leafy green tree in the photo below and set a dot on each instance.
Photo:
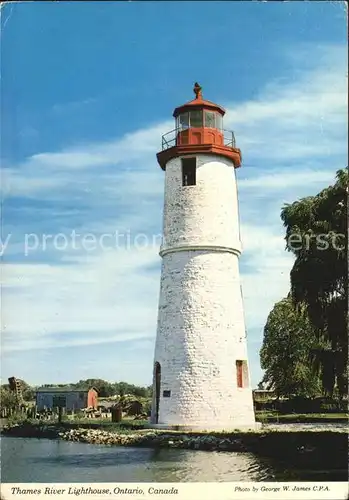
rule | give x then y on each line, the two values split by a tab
104	388
123	388
141	392
316	233
107	389
8	399
289	339
28	392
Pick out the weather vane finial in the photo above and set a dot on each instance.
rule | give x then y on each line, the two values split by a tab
197	90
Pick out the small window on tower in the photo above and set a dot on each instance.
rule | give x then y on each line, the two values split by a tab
189	171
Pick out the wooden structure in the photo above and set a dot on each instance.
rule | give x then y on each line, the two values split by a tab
65	397
15	386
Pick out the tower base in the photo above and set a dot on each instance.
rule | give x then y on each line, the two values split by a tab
255	426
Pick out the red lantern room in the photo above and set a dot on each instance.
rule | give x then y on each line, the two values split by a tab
199	130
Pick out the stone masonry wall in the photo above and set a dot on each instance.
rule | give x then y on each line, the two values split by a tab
201	329
204	214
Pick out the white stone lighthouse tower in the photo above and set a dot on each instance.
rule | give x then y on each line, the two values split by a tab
201	374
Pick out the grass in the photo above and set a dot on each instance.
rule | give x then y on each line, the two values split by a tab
51	427
269	417
101	423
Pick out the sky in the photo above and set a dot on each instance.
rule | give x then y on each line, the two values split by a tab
88	89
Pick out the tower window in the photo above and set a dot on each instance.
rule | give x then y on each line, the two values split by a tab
241	374
188	171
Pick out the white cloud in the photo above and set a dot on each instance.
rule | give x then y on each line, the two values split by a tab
110	295
298	119
132	146
267	279
285	180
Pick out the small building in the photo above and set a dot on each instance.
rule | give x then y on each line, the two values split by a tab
66	397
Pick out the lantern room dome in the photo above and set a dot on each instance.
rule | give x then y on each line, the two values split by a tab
198	103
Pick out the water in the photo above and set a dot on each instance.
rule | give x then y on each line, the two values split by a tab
26	460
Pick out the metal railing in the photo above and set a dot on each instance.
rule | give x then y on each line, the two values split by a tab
169	139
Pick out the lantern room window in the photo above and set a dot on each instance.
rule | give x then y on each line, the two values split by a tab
199	118
196	118
183	121
210	119
219	121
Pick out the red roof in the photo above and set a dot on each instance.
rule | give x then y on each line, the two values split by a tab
198	102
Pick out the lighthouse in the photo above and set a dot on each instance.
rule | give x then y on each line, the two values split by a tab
201	375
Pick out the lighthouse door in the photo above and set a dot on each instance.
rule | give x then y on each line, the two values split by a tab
157	390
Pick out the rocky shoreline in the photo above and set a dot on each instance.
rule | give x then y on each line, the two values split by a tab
302	446
154	439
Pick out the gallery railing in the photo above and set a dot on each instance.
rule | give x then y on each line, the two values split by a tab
170	138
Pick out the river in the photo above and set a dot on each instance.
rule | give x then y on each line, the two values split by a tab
27	460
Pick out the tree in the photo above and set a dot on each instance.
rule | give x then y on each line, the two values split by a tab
8	399
104	388
28	392
316	233
288	341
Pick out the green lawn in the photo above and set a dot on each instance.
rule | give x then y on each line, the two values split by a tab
301	417
102	423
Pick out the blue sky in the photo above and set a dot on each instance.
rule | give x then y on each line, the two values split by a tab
87	91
